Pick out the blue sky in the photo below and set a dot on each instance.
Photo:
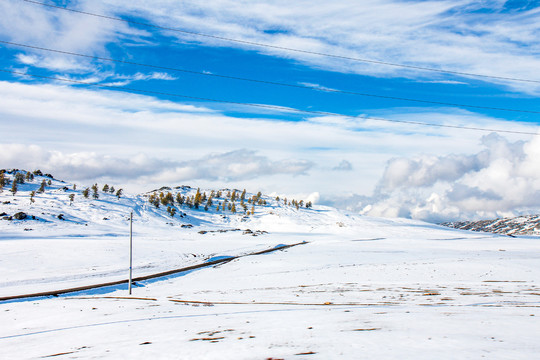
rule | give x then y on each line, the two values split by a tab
88	134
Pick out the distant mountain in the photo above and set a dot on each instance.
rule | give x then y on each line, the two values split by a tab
522	225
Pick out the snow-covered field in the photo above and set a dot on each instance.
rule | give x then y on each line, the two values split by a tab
358	287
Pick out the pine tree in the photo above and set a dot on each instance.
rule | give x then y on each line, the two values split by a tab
32	194
252	209
179	199
154	200
19	178
74	186
243	196
3	180
105	188
42	187
49	182
14	188
233	208
119	193
112	190
71	198
169	198
198	199
29	176
85	193
95	193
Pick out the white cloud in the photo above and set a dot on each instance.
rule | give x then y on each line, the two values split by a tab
90	166
115	127
317	86
454	35
462	36
344	165
500	180
40	26
27	59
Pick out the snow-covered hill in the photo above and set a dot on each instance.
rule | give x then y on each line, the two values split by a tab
63	205
356	287
522	225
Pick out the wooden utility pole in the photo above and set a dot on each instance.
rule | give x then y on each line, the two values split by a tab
130	250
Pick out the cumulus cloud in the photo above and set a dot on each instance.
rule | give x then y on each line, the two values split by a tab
90	166
503	179
344	165
232	166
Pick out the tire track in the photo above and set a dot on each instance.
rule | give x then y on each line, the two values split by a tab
147	277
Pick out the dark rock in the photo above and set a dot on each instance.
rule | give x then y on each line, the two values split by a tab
3	214
61	217
20	216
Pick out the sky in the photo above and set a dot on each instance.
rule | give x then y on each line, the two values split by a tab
183	93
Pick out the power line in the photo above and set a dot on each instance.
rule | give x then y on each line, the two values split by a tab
253	43
266	106
267	82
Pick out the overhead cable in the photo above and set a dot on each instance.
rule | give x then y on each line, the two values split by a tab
253	43
266	106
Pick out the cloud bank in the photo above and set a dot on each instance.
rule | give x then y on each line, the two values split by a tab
89	166
503	179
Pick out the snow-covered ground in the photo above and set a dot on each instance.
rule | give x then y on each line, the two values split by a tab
358	288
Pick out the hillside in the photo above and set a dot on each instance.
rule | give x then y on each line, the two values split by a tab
522	225
62	204
352	286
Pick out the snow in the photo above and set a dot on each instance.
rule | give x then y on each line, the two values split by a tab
358	287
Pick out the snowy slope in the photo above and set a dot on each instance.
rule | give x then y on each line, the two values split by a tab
359	287
521	225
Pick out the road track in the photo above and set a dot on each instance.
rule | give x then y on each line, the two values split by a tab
147	277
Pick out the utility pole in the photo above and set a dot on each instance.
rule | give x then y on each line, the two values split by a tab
130	250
